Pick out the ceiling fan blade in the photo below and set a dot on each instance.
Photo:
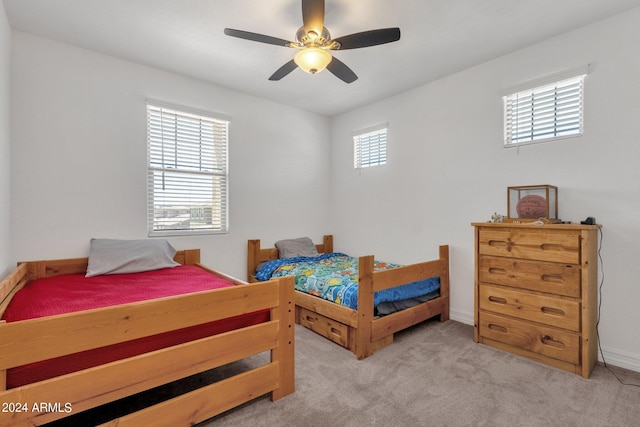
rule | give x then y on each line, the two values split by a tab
368	38
256	37
283	71
341	71
313	15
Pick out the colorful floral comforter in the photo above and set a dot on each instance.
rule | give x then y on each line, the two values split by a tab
334	277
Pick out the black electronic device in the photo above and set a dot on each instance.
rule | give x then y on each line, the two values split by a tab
589	221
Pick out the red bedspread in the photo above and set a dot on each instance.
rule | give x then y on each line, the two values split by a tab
69	293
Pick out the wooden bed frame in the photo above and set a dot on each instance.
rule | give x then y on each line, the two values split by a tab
359	330
44	338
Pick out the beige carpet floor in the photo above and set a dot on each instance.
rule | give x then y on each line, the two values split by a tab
435	375
432	375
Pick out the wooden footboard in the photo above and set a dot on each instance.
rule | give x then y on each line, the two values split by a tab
359	330
383	328
44	338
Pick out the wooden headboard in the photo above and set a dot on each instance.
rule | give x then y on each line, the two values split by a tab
47	268
256	255
27	271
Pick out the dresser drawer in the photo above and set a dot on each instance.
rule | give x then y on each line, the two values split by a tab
555	278
543	340
533	244
545	309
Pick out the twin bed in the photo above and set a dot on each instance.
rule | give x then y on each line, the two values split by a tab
322	289
72	351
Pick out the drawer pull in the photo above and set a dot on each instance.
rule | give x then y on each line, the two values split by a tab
310	319
497	243
553	311
336	332
552	278
548	340
497	300
501	271
497	328
551	247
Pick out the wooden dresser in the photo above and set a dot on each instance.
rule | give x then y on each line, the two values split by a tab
536	292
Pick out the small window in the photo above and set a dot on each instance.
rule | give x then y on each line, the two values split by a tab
549	111
187	171
370	148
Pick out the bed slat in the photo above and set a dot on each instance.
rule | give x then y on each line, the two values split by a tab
197	406
385	279
336	312
392	323
95	386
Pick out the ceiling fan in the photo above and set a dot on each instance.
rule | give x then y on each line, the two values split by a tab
314	42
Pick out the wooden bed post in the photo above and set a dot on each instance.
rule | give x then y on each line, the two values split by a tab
191	256
284	354
3	372
444	281
365	307
328	244
253	253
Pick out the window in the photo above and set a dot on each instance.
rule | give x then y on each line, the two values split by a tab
187	171
547	111
370	148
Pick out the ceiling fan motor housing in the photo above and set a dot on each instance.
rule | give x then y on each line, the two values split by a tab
312	38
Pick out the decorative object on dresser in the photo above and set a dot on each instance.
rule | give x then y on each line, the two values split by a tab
529	203
536	292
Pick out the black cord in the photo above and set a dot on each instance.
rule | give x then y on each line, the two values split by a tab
604	362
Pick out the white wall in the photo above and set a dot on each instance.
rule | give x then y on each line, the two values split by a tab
79	156
447	168
78	161
5	165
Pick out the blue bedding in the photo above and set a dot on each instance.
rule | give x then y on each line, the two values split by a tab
334	277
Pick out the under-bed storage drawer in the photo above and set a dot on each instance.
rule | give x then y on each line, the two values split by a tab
536	244
558	312
550	342
335	331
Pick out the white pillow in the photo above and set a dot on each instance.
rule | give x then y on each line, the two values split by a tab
112	256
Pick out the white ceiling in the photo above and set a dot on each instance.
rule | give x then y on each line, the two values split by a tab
439	37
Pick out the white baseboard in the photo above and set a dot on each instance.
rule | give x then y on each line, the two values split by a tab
612	356
461	316
620	358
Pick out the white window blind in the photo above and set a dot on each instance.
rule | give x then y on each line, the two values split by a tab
370	148
545	112
187	172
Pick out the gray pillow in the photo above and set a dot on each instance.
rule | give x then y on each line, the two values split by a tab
302	246
112	256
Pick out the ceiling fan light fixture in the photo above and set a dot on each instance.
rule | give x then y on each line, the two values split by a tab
314	44
312	59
